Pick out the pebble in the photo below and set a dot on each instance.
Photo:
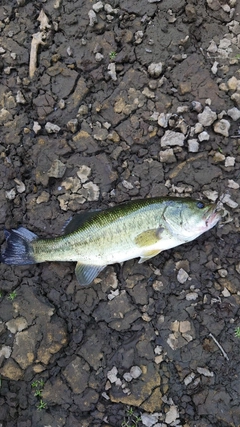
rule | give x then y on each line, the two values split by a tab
171	138
232	82
203	136
205	372
222	127
229	161
167	156
226	293
83	173
112	375
163	120
234	113
182	276
20	98
72	125
112	71
135	372
193	145
5	351
57	169
52	128
36	127
97	6
189	378
20	185
218	157
149	420
92	18
214	68
198	128
171	415
233	184
207	117
197	106
11	194
211	195
192	296
127	377
227	199
155	69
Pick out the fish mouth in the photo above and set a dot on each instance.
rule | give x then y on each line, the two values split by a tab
213	216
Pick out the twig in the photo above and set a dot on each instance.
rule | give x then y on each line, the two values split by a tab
219	346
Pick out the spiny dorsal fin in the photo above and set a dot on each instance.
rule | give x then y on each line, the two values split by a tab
77	221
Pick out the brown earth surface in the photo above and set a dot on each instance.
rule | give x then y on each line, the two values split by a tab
126	99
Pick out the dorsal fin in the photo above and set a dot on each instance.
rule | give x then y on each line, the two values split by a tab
77	221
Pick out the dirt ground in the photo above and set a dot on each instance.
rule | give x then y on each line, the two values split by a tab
125	99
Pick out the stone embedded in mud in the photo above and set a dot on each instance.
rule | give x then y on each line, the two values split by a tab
11	370
155	69
222	127
149	420
233	83
112	71
182	276
57	169
203	136
17	325
171	138
83	173
172	415
92	18
193	145
52	128
229	161
234	113
207	117
97	6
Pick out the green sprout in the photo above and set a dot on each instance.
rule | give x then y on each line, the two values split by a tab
131	419
41	405
237	332
112	55
1	294
12	295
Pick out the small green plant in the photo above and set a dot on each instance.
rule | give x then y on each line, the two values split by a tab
237	332
112	55
38	386
131	419
220	150
41	405
12	295
1	294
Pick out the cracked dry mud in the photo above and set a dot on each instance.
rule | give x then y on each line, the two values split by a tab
129	99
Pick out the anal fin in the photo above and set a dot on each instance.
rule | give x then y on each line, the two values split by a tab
86	273
148	254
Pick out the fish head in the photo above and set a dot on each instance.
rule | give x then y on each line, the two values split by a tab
188	219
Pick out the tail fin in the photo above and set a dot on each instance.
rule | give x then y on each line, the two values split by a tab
18	250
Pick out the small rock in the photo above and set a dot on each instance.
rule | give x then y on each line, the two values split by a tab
227	199
232	82
211	195
52	128
203	136
148	93
155	69
17	325
57	170
207	117
197	106
236	98
99	57
112	375
214	67
72	125
222	127
233	184
189	378
92	18
192	296
198	128
167	156
193	145
218	157
205	372
149	420
20	98
184	87
171	415
135	372
5	351
163	120
90	191
97	6
171	138
112	71
182	276
229	161
83	173
20	186
226	293
36	127
43	198
128	377
11	194
234	113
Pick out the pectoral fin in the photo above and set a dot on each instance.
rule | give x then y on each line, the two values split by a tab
149	237
86	273
147	255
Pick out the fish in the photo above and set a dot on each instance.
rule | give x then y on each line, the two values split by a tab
137	229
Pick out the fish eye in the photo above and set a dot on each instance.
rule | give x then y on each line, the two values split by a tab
200	205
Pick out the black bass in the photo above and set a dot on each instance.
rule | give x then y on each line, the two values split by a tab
140	228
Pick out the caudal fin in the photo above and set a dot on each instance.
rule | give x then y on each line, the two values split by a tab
18	250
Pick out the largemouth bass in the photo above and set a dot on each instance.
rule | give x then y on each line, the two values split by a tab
140	228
